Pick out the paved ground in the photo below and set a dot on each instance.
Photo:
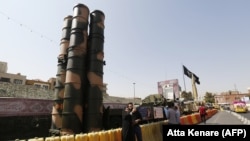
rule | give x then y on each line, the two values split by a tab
223	118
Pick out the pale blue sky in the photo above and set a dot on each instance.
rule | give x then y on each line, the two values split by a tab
146	41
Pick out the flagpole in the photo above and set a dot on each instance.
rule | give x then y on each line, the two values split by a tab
183	77
195	94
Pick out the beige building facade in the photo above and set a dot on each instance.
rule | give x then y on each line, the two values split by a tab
229	98
10	78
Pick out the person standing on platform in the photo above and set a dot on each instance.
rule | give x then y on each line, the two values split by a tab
165	108
172	118
137	118
127	126
178	115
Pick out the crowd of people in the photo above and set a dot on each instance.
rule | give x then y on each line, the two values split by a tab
172	113
131	130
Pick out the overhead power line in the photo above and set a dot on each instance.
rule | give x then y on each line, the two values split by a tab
20	24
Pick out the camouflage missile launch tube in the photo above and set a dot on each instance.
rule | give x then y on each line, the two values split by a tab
72	115
61	74
94	110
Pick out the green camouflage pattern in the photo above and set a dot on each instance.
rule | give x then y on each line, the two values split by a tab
61	74
94	104
72	115
154	99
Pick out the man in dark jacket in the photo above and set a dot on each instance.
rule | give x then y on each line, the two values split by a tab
127	126
137	118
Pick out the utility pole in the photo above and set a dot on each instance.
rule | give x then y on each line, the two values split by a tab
134	93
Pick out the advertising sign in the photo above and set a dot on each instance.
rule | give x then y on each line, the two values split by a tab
146	112
169	89
158	112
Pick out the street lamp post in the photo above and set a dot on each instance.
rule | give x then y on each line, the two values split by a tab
134	93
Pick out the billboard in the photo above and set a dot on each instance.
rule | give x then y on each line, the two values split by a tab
245	98
169	89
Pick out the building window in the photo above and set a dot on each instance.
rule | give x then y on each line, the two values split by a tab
46	87
17	81
42	86
37	85
3	79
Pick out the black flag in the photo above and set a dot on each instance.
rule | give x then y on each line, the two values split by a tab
196	79
189	74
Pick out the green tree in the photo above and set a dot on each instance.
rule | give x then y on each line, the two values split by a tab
187	95
209	97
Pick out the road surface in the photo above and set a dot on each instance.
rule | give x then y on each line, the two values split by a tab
224	118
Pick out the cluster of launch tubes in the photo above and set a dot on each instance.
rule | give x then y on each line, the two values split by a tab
78	106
